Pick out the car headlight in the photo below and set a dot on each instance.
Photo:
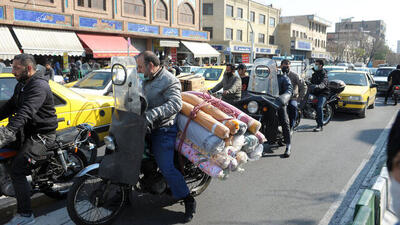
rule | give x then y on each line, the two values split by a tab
354	98
109	142
252	107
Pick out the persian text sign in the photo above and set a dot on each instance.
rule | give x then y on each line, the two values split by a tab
170	32
42	17
302	45
194	34
245	58
100	23
1	12
174	56
141	28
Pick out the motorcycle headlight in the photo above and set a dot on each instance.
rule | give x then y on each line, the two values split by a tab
252	107
109	142
354	98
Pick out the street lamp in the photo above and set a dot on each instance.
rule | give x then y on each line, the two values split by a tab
252	37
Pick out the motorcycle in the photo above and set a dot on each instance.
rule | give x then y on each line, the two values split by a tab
396	93
53	174
128	165
308	108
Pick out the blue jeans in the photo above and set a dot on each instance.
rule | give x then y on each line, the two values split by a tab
163	147
292	112
320	110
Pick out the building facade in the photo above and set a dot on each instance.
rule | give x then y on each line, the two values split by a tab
376	28
398	47
230	23
156	25
303	37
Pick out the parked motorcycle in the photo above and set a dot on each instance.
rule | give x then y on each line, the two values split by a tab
53	174
396	93
127	167
308	109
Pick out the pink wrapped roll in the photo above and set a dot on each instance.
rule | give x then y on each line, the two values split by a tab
261	137
201	161
253	125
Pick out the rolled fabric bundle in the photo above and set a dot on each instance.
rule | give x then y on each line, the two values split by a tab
250	143
201	161
201	136
261	137
242	128
257	153
253	125
206	121
238	141
241	157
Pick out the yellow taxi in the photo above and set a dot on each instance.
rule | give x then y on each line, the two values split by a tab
212	74
71	108
359	93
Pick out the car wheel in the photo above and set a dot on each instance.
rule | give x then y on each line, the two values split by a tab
363	113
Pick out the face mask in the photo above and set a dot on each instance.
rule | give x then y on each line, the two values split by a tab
142	77
285	69
395	192
316	68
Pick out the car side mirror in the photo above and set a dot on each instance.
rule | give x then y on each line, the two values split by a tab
374	85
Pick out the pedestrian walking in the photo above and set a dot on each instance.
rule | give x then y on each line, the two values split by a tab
49	72
393	165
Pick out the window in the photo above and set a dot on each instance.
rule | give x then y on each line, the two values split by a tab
240	12
239	36
252	16
209	29
272	21
208	9
271	39
262	19
49	1
135	7
95	4
293	33
297	34
161	11
186	14
261	38
229	34
229	10
309	25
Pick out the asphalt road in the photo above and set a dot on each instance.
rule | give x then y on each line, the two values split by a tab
298	190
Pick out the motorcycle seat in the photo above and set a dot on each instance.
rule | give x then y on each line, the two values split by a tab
67	135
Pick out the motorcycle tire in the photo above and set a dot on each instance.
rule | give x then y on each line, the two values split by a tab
298	119
119	199
60	194
327	114
201	182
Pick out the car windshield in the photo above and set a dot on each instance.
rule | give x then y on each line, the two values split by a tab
7	86
95	80
185	69
209	73
334	68
6	70
383	72
356	79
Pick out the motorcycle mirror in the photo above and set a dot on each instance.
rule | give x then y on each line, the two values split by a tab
119	74
262	71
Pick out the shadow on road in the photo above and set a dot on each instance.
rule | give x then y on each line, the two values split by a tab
369	136
275	222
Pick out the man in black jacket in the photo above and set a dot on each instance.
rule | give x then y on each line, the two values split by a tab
285	92
393	79
32	117
320	89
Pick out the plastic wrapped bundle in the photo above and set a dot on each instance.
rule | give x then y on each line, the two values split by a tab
201	136
238	142
250	143
261	138
201	161
257	153
242	128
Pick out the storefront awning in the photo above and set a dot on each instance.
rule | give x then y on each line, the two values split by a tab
201	50
106	46
48	42
169	43
8	47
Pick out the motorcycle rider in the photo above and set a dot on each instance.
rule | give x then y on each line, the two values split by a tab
285	92
299	91
393	79
319	87
163	93
232	85
241	69
31	117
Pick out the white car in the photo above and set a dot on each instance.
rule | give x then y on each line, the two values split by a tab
331	68
381	76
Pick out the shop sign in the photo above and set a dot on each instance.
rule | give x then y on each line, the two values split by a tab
241	49
174	56
277	51
65	60
218	47
100	23
1	12
302	45
141	28
245	58
194	34
170	32
264	50
42	17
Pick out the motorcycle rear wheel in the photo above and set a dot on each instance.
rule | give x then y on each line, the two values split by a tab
98	196
196	180
327	114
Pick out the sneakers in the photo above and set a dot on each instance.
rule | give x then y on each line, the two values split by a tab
288	151
318	129
22	220
190	208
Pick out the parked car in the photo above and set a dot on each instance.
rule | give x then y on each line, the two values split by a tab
364	69
359	93
212	74
372	71
330	68
381	77
71	108
97	83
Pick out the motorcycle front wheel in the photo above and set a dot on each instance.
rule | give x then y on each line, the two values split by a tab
94	200
327	114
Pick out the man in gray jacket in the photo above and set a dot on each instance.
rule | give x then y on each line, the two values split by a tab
163	94
299	91
232	85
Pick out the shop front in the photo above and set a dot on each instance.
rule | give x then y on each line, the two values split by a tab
197	53
300	49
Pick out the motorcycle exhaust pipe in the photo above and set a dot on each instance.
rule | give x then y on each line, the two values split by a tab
62	159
